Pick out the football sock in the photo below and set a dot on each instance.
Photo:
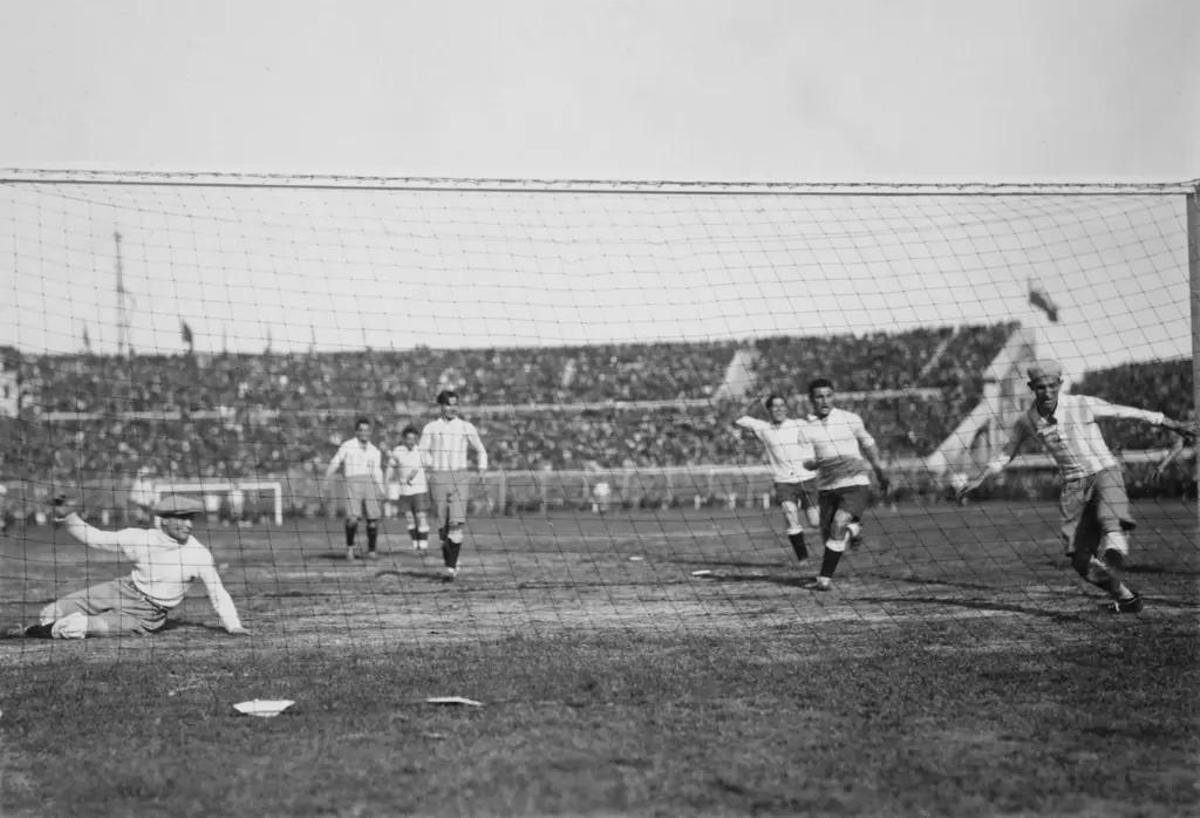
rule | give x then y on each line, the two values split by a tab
412	535
39	631
351	532
372	535
450	553
798	546
829	562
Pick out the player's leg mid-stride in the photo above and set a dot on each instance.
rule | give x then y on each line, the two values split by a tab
840	512
449	491
1096	519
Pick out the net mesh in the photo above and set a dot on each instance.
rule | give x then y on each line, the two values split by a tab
603	338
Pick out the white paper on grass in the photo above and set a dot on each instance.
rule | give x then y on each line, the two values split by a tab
703	572
263	708
453	700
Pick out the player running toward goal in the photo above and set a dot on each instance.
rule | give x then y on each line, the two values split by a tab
165	561
840	443
406	471
362	464
444	443
787	448
1094	506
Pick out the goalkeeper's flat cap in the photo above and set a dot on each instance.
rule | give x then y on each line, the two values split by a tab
1051	370
173	505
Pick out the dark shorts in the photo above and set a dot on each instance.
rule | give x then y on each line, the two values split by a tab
448	491
1093	506
802	494
851	499
414	503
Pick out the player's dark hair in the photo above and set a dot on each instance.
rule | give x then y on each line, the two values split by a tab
360	420
819	383
445	395
771	398
409	430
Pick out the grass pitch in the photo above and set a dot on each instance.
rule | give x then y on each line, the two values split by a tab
957	668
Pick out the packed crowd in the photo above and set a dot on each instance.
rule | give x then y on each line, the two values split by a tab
237	416
1161	386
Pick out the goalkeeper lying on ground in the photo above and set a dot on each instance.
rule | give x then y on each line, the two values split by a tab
166	560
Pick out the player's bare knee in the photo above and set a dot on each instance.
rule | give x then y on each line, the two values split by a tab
455	533
839	528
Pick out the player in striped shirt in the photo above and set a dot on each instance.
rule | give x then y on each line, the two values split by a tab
1094	505
786	447
362	465
406	472
842	450
444	443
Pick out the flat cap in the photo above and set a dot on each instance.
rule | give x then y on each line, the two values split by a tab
174	505
1044	369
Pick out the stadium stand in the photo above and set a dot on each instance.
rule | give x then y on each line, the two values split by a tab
598	407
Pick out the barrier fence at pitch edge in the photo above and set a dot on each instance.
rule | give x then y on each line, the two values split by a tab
108	501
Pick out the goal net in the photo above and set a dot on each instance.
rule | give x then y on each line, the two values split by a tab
221	336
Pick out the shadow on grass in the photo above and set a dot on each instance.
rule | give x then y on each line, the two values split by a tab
979	605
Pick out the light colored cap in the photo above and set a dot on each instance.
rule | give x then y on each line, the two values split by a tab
174	505
1044	369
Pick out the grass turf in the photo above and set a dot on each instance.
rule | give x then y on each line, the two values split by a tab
928	683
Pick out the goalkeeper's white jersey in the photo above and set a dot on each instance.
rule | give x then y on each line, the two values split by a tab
837	440
162	567
786	445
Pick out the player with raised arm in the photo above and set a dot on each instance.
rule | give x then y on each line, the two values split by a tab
362	464
165	561
444	443
406	471
842	449
787	448
1094	506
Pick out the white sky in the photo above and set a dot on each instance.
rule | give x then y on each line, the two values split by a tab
689	90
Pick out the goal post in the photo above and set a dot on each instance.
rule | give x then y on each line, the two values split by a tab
225	497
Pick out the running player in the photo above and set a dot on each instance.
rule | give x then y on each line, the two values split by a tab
444	443
787	448
1093	505
842	448
361	462
406	471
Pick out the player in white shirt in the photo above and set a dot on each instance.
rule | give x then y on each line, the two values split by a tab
362	464
444	444
1094	505
406	473
786	448
842	450
165	562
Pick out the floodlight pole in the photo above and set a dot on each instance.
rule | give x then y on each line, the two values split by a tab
1193	233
